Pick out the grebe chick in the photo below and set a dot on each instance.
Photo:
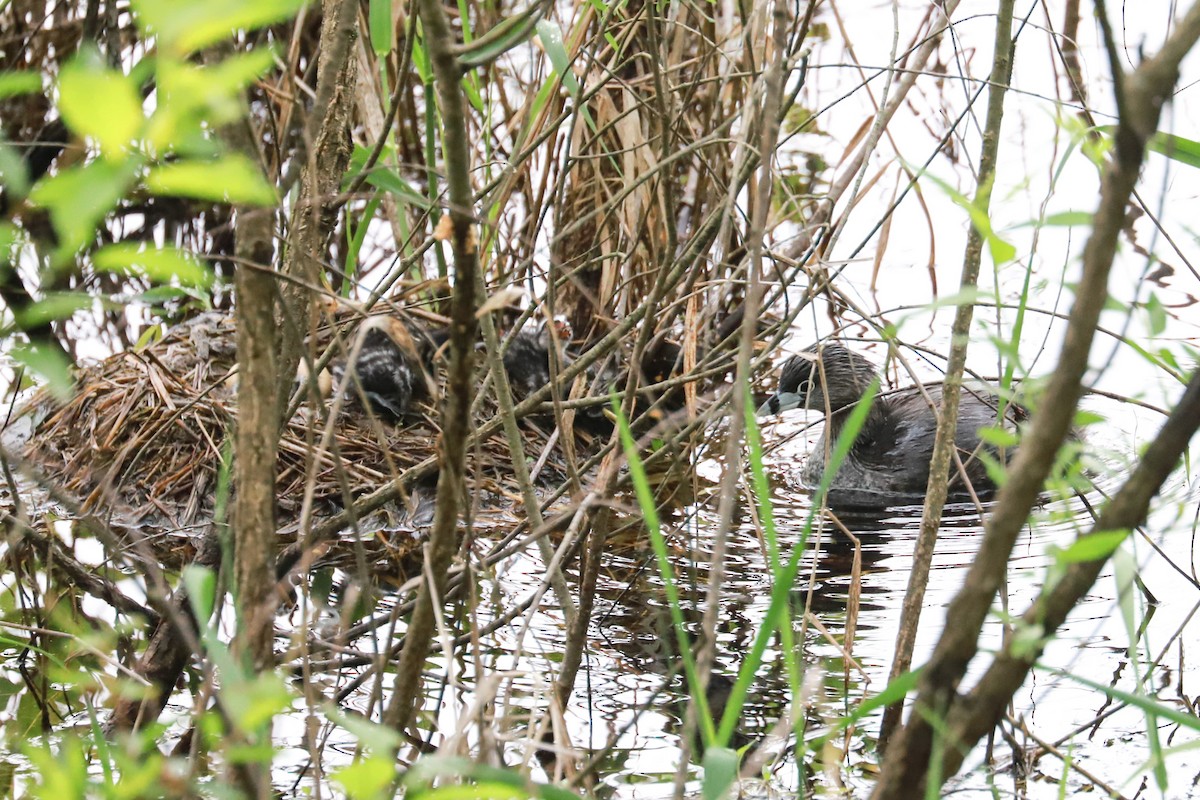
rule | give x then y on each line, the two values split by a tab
891	454
527	360
388	367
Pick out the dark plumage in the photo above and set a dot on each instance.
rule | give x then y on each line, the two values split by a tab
527	360
388	369
891	454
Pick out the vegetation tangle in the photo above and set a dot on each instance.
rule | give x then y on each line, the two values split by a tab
392	398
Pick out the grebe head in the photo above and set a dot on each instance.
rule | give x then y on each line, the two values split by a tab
824	376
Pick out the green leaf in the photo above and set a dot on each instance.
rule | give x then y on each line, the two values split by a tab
1092	547
1067	219
720	773
552	42
256	701
379	20
201	585
230	179
367	777
61	773
194	100
15	83
1157	314
511	31
160	265
1176	148
13	175
236	72
1027	641
9	236
100	103
53	307
1084	419
384	178
48	363
182	28
896	690
390	181
1001	251
372	735
967	296
998	437
79	197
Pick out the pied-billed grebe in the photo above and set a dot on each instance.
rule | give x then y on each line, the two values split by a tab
890	456
527	360
388	368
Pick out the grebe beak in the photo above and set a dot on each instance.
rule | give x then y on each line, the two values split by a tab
780	402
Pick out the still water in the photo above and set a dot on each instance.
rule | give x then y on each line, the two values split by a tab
628	708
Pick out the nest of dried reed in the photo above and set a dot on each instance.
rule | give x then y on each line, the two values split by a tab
144	439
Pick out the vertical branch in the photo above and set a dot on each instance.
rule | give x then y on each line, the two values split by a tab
327	139
1140	98
256	444
257	433
943	443
457	405
267	350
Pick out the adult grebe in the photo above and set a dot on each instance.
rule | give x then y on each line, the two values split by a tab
890	455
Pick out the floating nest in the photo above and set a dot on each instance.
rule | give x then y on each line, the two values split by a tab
144	440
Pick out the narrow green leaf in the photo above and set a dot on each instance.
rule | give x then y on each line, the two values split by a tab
99	103
390	181
1092	547
185	27
230	179
511	31
1157	314
1176	148
1125	574
894	692
1000	250
160	265
967	296
645	498
9	236
552	42
201	585
49	364
1067	219
18	82
1063	219
379	19
257	700
385	178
